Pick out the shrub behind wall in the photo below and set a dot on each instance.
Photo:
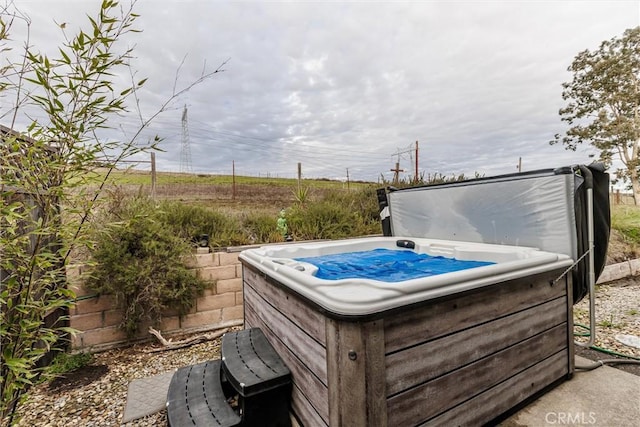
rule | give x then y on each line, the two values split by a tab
141	261
140	257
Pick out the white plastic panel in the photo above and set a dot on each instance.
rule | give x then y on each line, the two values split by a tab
535	211
357	297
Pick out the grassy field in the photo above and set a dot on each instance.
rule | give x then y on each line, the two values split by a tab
135	177
624	240
269	195
208	188
218	192
626	220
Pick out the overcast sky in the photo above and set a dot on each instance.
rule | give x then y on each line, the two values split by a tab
346	85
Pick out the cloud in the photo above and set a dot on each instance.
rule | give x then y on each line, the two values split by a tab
342	85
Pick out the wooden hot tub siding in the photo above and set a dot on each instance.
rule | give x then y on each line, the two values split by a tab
463	359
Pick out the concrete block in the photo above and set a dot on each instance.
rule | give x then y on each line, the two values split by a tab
102	336
199	259
171	323
239	298
228	285
85	322
112	317
206	260
200	319
92	305
213	302
216	258
175	312
233	313
228	258
217	273
209	291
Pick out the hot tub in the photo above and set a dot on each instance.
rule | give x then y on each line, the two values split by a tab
450	349
357	296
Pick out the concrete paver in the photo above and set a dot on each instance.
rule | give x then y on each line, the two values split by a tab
146	396
603	397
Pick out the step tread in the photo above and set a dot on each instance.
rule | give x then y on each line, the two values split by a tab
196	398
251	364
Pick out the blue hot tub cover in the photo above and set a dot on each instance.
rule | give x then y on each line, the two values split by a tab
386	265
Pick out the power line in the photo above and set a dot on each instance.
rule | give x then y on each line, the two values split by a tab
303	150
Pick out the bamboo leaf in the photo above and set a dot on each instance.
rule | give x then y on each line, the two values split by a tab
65	57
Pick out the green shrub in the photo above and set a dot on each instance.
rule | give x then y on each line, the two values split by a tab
364	202
260	228
65	363
141	262
191	221
338	215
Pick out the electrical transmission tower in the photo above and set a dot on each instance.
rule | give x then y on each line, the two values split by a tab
185	152
397	170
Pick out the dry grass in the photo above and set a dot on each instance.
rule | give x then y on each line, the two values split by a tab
266	199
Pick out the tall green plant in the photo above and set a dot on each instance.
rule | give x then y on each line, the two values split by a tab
74	96
301	195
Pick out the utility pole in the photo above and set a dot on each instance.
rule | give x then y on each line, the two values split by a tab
347	178
416	175
233	172
519	164
397	169
153	176
299	175
396	173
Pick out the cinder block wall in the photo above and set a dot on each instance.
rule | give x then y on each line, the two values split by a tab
97	318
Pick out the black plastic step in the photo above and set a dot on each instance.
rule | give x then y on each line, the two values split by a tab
255	371
196	398
251	364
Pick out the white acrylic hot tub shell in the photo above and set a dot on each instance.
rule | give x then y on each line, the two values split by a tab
356	297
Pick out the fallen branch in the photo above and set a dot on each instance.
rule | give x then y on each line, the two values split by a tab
173	345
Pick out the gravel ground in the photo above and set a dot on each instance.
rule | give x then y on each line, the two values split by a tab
96	395
617	313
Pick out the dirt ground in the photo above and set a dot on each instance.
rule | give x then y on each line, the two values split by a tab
621	250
